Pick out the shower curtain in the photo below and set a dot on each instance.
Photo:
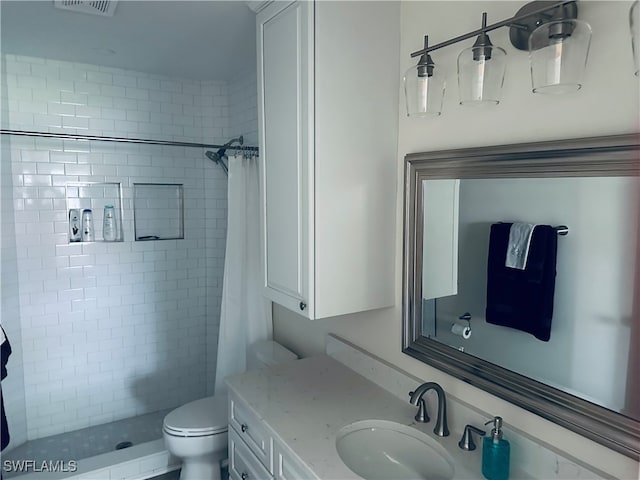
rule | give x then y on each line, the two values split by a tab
245	315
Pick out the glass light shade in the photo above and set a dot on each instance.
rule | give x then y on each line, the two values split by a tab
634	25
558	55
480	76
423	93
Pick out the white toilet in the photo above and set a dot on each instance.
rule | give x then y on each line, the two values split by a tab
197	431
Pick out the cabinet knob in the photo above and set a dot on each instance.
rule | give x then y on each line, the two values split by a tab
303	305
244	476
244	427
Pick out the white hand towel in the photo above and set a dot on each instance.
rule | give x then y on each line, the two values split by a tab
518	247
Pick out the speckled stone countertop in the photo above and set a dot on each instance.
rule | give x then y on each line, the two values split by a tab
308	401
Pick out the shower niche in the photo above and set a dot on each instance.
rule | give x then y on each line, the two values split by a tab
158	211
94	196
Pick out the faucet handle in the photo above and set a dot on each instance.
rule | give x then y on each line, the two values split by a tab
422	415
466	442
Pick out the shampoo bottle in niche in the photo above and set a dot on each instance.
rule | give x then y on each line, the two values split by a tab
88	233
109	229
75	232
495	453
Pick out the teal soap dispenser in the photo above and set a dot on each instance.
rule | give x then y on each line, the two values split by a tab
495	453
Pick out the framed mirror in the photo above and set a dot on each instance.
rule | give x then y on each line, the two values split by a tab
521	276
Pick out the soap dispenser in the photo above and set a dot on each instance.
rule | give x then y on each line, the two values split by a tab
495	453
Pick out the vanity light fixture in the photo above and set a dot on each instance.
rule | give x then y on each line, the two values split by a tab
558	47
558	44
424	87
634	25
481	71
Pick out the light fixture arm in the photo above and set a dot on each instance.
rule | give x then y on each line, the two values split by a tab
510	22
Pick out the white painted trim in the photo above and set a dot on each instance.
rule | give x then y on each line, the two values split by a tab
258	6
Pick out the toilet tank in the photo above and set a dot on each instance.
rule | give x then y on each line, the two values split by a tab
267	353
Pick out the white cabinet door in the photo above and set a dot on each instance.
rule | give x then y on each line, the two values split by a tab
285	146
328	142
440	240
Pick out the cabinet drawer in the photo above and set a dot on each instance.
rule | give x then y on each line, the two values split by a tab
243	465
251	430
286	466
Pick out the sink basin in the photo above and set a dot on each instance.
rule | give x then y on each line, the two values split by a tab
378	449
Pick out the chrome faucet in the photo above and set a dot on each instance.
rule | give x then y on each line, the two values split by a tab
441	429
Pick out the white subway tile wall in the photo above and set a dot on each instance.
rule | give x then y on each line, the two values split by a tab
112	330
158	211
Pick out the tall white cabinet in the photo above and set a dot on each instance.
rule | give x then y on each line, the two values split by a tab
328	89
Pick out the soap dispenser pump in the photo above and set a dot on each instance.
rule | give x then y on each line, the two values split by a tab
495	453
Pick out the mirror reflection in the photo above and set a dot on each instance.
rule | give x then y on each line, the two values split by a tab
501	283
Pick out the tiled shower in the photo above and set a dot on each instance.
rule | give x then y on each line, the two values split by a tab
103	331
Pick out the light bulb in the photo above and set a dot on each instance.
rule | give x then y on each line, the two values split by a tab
478	84
555	69
422	94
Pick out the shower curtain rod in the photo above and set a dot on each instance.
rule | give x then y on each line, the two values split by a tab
74	136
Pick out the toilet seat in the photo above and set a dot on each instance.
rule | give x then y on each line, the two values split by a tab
200	418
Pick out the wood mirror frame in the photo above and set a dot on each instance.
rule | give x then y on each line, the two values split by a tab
587	157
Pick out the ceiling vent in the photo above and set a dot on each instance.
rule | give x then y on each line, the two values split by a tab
104	8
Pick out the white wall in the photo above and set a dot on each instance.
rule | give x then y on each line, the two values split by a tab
243	107
607	104
111	330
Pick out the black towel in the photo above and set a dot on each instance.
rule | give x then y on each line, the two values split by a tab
522	299
4	430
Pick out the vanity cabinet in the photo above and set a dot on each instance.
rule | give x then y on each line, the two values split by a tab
328	88
255	452
243	465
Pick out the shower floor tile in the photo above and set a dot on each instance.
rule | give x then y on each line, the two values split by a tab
89	441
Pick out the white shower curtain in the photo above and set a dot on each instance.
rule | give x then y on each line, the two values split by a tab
245	316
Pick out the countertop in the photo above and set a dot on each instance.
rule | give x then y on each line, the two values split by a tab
308	401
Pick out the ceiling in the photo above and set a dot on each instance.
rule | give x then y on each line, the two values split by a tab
202	40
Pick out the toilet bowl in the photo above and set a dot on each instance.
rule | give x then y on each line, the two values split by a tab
196	432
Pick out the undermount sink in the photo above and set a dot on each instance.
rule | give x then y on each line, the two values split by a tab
380	450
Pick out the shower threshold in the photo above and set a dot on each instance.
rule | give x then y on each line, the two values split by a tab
70	454
139	462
